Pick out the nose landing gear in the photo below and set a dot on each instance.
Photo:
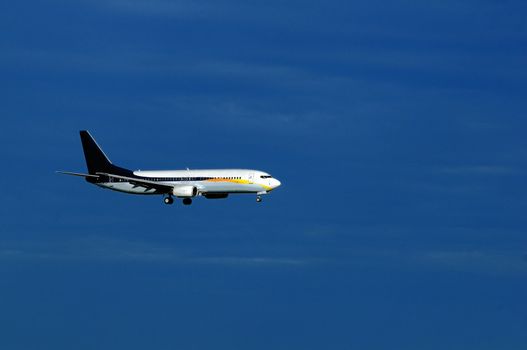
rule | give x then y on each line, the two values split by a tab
259	196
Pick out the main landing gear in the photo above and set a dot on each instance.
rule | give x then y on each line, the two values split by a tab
258	199
169	200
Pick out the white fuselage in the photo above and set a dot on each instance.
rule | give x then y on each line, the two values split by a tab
184	184
210	181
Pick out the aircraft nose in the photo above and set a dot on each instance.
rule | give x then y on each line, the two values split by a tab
276	183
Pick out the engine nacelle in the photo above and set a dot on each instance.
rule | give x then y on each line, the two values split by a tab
185	191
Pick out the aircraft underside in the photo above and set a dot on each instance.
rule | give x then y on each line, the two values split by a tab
213	191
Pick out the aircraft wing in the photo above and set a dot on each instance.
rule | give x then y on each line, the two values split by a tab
159	187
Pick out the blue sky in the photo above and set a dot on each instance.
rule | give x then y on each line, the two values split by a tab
397	130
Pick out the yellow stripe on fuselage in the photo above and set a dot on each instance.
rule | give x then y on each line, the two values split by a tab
239	181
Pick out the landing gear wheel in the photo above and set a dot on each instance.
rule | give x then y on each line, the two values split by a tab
168	200
187	201
258	199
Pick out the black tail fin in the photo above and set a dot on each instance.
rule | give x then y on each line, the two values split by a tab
96	160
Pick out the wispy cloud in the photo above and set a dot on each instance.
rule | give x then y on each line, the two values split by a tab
163	8
491	262
344	18
484	262
248	114
249	261
478	170
98	249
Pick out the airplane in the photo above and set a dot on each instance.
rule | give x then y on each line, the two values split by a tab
183	184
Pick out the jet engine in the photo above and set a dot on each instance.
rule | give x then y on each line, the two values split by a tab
185	191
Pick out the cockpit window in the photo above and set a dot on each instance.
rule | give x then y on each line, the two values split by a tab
265	176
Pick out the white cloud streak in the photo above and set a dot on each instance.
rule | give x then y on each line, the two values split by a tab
479	170
104	250
97	249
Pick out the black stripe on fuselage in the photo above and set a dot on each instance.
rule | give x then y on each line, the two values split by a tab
112	169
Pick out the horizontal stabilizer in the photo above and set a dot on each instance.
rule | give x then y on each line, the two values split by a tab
77	174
